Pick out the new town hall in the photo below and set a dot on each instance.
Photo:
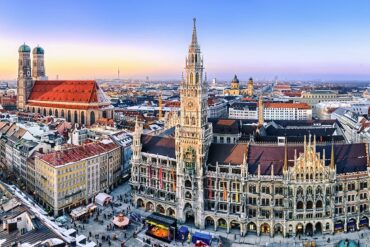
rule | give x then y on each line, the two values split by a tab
247	187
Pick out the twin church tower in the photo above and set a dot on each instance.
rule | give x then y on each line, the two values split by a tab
27	74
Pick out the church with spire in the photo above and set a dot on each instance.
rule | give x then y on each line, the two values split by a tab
286	189
78	101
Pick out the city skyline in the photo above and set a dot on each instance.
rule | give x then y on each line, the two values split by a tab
255	38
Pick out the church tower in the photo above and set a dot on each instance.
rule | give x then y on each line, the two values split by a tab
193	137
24	80
250	87
38	67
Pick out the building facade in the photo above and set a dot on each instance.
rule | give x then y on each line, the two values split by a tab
245	187
72	176
271	111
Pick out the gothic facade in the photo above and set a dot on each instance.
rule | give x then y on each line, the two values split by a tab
246	188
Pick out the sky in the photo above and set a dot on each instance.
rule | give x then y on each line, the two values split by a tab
90	39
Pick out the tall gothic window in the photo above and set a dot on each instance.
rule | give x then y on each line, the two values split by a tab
197	78
191	78
189	159
193	121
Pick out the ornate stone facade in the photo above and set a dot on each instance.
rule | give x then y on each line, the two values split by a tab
290	189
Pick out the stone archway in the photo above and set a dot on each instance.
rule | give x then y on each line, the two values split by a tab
140	203
235	226
351	225
160	209
149	206
251	228
189	214
299	205
265	229
364	222
318	228
222	223
170	212
299	229
209	223
309	229
278	229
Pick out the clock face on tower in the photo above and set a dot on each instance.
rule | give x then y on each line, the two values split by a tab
189	105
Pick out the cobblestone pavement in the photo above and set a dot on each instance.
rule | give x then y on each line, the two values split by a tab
231	239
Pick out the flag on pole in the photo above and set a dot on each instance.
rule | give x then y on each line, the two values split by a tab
225	192
160	177
173	179
237	191
209	188
150	174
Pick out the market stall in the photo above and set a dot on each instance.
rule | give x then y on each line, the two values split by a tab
161	227
103	199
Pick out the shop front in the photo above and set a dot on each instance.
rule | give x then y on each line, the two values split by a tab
161	227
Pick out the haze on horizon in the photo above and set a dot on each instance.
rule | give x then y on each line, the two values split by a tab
328	40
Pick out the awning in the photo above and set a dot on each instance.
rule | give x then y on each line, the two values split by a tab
338	225
364	222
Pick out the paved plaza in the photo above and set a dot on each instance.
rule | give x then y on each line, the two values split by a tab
98	230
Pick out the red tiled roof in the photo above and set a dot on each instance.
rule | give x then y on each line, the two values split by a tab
287	105
77	153
65	91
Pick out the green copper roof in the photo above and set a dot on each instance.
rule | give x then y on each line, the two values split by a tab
38	50
24	48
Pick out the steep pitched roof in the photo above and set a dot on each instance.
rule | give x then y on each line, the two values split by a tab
348	157
65	91
161	145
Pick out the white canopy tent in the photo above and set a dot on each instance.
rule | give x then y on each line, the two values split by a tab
102	199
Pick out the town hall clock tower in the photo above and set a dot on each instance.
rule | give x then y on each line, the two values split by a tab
193	137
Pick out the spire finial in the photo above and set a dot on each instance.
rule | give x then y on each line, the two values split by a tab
194	40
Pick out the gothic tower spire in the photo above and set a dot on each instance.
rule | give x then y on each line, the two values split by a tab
194	40
332	165
286	157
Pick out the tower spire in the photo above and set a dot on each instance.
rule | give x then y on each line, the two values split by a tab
194	40
332	156
286	157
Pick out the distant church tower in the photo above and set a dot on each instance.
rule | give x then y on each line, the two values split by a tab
193	137
24	81
38	67
250	87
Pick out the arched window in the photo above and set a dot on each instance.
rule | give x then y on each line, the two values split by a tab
300	205
193	121
38	111
186	120
33	109
56	113
82	117
62	114
319	204
44	112
104	114
76	117
197	77
309	205
191	78
92	117
50	112
69	118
